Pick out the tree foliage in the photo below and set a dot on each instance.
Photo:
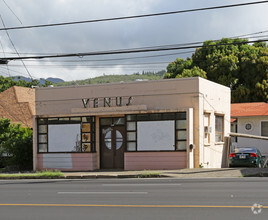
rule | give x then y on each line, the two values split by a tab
16	144
230	62
7	82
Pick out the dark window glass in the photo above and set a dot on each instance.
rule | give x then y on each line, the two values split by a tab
143	117
53	120
106	121
75	119
42	121
131	117
119	121
86	119
168	116
64	119
155	117
181	115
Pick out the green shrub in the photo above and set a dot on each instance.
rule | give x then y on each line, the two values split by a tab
16	145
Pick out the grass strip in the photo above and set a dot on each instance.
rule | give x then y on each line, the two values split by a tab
149	175
37	175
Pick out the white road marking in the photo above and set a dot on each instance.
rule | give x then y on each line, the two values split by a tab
143	184
102	192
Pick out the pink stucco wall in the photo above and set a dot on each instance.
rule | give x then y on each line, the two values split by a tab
39	161
155	160
75	161
84	161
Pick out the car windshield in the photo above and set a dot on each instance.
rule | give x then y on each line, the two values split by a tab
246	150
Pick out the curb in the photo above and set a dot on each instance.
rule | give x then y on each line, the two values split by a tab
116	176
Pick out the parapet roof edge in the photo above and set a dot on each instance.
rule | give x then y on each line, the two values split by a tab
120	83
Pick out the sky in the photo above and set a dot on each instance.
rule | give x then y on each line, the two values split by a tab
115	35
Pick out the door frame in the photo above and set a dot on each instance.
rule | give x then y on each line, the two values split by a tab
101	144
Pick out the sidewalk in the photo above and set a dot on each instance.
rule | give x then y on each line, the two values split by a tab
183	173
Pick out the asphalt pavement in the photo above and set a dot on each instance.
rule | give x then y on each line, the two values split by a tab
154	198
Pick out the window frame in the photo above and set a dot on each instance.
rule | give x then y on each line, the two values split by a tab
170	116
68	120
265	121
208	134
222	132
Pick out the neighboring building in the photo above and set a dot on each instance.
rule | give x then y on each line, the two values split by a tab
250	118
132	126
17	103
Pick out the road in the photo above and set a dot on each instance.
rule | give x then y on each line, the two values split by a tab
135	199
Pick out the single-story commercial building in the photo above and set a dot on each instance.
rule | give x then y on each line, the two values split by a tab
164	124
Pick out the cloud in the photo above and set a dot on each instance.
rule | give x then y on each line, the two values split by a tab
162	30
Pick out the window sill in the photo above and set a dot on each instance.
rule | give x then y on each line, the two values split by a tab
207	145
219	143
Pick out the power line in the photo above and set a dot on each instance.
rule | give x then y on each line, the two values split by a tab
4	56
12	11
147	47
86	65
15	72
192	43
114	59
134	16
150	49
15	48
245	35
126	51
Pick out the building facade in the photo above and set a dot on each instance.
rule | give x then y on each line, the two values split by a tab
250	119
165	124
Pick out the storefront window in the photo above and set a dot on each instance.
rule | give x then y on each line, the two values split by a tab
156	132
64	138
181	134
131	146
68	134
131	136
155	135
42	129
131	126
181	131
86	147
42	147
181	124
87	119
42	138
181	145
